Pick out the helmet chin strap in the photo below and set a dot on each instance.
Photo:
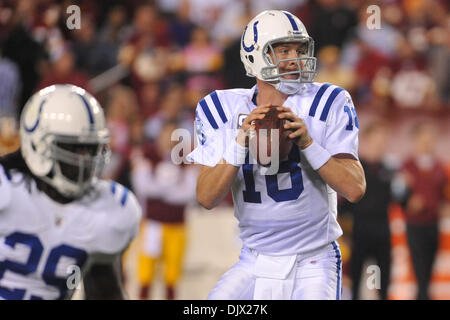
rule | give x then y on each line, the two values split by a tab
287	87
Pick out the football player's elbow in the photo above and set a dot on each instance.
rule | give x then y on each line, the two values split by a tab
357	192
205	201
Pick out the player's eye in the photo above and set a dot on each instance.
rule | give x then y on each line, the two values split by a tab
283	51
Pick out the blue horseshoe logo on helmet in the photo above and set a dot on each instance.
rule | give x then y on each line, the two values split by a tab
255	38
27	129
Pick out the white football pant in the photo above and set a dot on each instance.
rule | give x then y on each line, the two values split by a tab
316	275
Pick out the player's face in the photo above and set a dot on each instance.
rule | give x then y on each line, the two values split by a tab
72	171
291	50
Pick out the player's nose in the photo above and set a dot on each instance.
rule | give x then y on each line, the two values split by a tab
292	64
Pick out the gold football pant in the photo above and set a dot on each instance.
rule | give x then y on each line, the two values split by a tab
161	242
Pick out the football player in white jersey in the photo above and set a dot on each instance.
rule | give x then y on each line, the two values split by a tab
287	219
59	223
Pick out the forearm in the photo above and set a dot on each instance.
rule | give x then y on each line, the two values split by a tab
345	176
213	184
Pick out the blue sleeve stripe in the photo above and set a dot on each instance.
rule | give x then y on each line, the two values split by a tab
113	187
124	197
208	114
292	21
319	94
326	109
219	107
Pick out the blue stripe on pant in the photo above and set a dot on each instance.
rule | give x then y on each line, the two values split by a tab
338	270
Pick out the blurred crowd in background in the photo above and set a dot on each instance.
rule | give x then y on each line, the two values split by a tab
150	62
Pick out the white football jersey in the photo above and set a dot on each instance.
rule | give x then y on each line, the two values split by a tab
293	211
44	244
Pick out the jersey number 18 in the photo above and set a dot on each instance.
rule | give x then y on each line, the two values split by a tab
289	166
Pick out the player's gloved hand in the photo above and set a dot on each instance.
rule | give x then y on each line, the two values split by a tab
299	133
249	123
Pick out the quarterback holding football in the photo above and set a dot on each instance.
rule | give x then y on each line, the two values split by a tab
58	221
288	218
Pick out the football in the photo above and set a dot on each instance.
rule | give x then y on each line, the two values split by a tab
270	138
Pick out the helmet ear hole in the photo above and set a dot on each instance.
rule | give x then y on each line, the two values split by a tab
250	58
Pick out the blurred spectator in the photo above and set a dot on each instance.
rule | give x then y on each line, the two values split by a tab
63	71
234	72
369	63
172	109
234	15
331	71
438	59
21	48
233	19
145	52
46	31
164	190
121	117
377	96
200	55
331	22
425	179
206	13
9	88
150	99
229	31
114	31
201	60
384	40
92	55
181	26
148	27
371	237
411	86
9	135
169	6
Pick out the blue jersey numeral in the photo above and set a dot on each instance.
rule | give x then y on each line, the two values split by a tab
26	268
289	166
49	274
351	113
250	194
296	183
30	266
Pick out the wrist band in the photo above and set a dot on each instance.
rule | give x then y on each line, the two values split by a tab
235	154
316	155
